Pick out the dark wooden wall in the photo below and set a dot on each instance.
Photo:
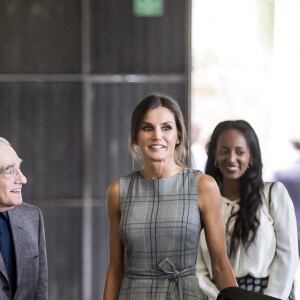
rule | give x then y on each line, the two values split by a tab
70	74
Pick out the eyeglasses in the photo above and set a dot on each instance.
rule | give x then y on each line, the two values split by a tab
10	171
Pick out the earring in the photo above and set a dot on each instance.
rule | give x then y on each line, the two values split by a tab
250	164
216	164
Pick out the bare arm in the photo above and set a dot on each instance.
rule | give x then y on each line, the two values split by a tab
210	206
116	251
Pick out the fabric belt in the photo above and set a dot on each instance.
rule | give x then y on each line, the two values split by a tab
168	271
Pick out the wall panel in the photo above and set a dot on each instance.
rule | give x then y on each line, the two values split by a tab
64	251
140	44
43	122
71	73
40	36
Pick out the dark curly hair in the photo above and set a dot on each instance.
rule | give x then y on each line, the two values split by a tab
246	223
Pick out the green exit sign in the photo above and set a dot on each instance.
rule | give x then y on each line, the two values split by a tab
148	8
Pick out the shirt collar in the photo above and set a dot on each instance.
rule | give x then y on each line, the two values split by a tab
5	215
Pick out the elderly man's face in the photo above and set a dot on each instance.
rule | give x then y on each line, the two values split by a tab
11	178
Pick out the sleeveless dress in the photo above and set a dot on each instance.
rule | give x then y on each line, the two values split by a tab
160	228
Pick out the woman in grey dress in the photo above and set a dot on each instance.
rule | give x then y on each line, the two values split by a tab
156	214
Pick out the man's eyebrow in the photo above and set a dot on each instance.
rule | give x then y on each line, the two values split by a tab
7	167
10	166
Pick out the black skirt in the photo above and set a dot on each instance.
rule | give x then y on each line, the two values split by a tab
257	285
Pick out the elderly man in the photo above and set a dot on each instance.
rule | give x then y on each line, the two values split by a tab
23	260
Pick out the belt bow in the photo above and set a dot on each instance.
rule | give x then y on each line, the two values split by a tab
174	275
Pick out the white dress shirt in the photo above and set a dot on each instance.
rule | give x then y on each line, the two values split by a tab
274	252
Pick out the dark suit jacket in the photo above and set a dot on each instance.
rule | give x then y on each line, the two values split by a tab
31	259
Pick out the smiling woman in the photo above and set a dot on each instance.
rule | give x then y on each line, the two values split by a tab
257	216
233	155
156	214
173	112
157	140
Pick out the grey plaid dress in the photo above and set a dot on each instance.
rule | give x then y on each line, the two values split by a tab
160	228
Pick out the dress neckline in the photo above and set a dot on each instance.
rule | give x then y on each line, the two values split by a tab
162	178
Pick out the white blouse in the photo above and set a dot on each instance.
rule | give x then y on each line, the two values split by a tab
273	253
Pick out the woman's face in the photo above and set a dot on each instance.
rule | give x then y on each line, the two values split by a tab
157	135
232	154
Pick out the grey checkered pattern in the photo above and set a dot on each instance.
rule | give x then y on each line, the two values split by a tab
160	227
